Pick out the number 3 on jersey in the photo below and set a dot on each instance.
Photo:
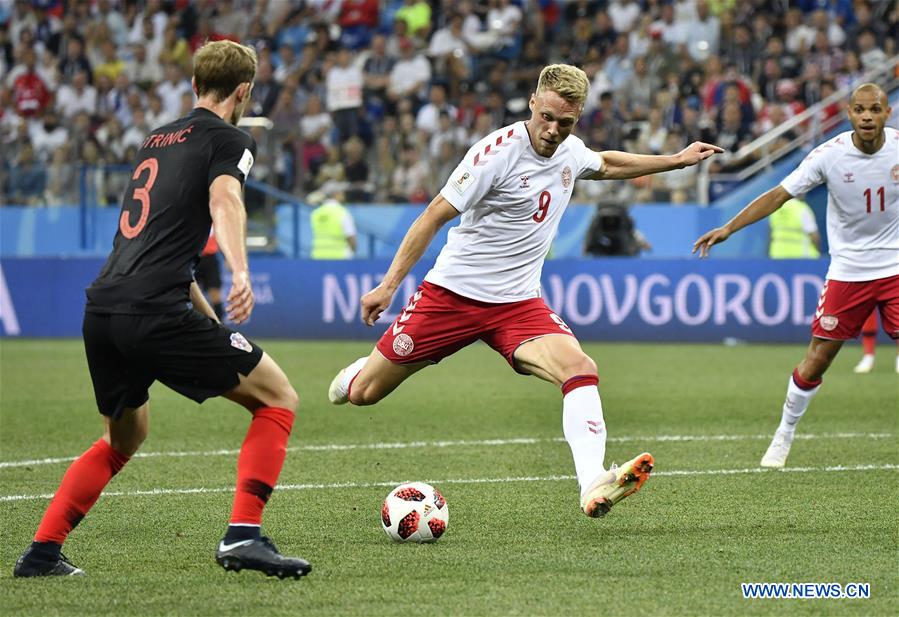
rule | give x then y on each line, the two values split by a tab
542	207
141	194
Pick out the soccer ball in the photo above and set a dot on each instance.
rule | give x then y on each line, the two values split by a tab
414	512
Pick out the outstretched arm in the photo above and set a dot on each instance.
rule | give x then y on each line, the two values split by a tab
761	206
413	246
622	165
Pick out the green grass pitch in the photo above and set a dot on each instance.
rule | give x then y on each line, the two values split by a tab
517	543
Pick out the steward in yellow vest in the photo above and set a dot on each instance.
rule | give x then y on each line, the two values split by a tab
794	232
333	231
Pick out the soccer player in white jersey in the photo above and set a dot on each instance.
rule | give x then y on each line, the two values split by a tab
861	170
511	190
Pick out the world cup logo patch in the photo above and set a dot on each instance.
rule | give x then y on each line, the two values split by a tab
566	177
403	345
829	322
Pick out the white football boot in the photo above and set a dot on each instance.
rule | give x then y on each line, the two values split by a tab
865	365
338	393
776	455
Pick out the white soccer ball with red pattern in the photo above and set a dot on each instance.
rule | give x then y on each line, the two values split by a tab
414	512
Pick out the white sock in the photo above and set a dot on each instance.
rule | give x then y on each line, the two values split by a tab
795	405
585	432
350	373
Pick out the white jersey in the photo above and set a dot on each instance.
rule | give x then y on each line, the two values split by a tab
511	200
862	205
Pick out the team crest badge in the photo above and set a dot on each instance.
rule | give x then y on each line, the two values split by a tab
829	322
894	172
566	177
239	342
403	345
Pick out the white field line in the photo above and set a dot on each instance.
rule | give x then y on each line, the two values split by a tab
392	483
334	447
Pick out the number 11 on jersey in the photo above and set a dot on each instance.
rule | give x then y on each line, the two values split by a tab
880	192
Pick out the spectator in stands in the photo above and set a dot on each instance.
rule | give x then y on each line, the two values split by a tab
77	96
344	82
358	186
799	37
30	93
639	90
869	53
357	20
504	20
47	135
376	75
449	52
27	178
170	90
265	90
62	184
623	14
409	75
173	48
427	119
411	179
331	175
704	32
315	131
74	61
140	70
416	14
732	135
447	132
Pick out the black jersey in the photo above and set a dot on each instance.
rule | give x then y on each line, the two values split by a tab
165	220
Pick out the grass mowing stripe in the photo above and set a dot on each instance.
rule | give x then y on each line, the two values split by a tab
391	483
462	442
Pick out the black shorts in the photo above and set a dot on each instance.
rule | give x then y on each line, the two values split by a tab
208	273
189	352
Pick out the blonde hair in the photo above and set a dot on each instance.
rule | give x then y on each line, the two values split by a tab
567	81
221	66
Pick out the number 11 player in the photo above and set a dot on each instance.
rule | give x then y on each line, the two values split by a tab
861	170
138	327
511	189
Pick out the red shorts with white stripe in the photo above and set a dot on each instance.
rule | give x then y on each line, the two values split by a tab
437	323
844	306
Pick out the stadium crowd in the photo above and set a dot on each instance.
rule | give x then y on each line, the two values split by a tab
379	100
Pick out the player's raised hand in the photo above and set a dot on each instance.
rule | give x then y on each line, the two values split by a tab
710	239
374	303
240	298
698	151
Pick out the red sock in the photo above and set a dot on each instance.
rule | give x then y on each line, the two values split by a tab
869	342
259	464
80	488
804	384
869	334
579	381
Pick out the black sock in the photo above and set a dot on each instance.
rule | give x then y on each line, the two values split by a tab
46	550
236	533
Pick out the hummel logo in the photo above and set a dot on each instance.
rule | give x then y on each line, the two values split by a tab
848	177
223	548
525	182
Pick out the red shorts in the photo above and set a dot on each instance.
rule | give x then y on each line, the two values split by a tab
844	306
437	323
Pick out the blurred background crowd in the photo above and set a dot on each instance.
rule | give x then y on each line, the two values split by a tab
379	100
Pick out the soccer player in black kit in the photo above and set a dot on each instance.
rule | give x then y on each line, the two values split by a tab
139	326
